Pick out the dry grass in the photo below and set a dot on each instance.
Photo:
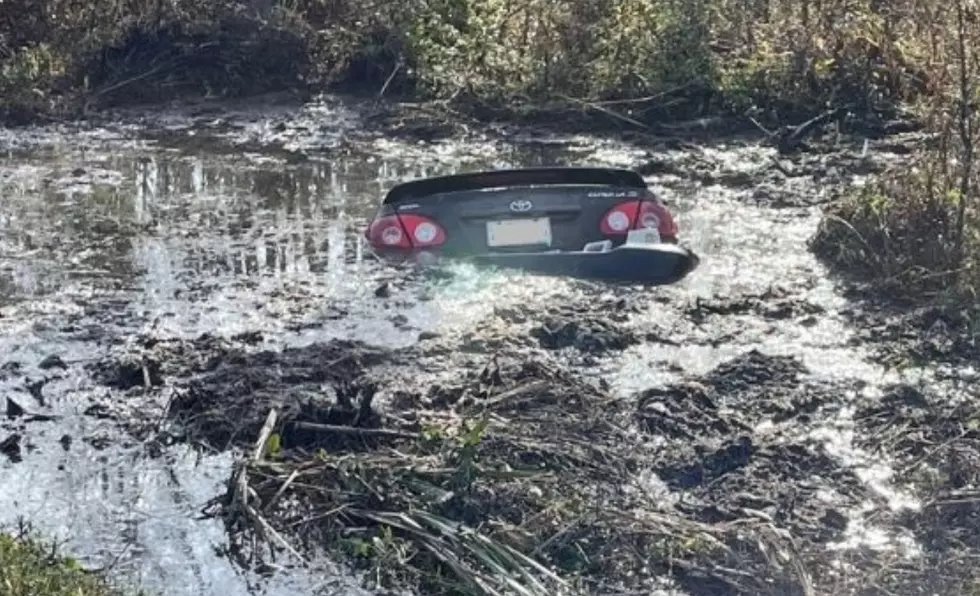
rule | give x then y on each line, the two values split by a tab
516	484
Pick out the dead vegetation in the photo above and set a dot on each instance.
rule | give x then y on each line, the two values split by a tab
935	443
516	476
516	481
914	230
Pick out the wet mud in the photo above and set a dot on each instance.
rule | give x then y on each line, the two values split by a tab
916	334
697	481
775	304
935	442
215	325
735	444
527	448
591	330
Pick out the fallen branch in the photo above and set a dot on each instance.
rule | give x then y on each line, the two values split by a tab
243	493
267	530
282	489
612	113
519	391
793	138
354	430
264	434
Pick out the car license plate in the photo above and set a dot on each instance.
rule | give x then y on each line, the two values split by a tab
644	236
517	232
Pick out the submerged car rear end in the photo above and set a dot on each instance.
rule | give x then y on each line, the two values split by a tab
518	210
521	212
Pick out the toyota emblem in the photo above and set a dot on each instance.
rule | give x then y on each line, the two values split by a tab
521	206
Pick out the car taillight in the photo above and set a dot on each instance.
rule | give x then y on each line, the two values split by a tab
405	231
637	215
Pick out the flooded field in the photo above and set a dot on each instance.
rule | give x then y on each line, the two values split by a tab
179	240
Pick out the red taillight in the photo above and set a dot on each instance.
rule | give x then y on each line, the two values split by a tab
423	231
636	215
620	219
388	232
405	232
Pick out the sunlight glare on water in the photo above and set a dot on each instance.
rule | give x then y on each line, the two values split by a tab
745	251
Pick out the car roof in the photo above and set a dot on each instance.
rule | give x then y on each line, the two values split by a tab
488	179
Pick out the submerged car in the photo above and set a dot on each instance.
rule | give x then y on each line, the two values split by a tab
589	222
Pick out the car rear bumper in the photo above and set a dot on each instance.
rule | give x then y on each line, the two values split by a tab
653	264
645	265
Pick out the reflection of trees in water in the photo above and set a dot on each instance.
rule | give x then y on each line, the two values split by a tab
227	219
173	216
25	278
280	243
9	290
53	229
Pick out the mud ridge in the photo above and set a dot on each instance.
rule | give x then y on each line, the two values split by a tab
775	304
935	440
727	468
360	451
914	334
595	329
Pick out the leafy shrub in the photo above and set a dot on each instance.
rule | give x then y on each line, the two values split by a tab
915	231
780	58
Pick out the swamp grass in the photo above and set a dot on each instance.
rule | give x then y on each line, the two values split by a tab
30	567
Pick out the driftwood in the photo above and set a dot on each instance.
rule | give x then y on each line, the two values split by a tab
244	500
793	138
790	138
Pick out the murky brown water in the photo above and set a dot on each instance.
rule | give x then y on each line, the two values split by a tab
104	234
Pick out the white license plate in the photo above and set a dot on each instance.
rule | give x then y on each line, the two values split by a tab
517	232
645	236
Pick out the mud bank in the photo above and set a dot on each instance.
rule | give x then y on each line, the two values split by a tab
916	334
540	466
720	482
936	445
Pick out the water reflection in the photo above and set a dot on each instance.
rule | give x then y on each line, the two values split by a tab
144	528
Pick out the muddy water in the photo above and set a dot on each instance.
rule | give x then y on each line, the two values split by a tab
110	232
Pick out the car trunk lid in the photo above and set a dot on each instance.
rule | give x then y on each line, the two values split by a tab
520	219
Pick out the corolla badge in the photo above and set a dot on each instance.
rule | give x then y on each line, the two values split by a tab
521	206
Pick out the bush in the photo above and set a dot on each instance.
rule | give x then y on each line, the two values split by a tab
786	57
107	52
915	231
900	232
657	58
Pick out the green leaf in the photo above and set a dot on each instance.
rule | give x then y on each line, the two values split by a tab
274	445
